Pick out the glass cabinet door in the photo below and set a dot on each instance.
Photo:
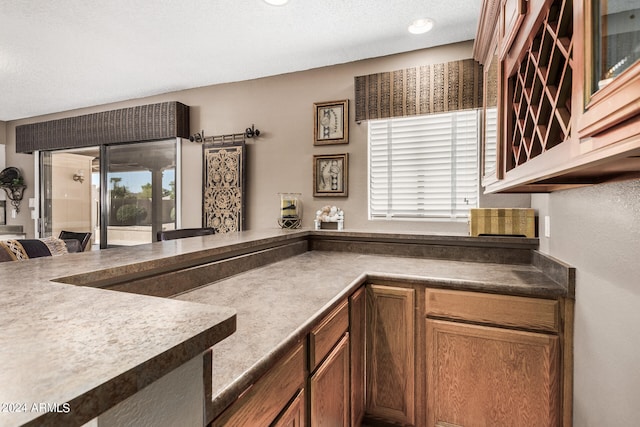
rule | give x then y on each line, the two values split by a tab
616	39
611	85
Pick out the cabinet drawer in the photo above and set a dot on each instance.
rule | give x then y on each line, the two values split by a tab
502	310
324	336
263	401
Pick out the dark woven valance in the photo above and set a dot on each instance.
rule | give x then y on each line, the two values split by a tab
143	123
427	89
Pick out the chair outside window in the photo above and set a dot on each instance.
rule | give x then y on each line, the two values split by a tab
183	232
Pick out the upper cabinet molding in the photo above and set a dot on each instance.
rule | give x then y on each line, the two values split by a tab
486	28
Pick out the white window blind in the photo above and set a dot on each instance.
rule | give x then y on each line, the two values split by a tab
424	166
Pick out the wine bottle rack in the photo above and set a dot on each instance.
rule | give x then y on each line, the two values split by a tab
540	111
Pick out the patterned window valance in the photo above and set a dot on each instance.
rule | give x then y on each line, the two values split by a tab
426	89
143	123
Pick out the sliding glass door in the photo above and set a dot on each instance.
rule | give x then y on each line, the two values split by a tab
140	191
123	194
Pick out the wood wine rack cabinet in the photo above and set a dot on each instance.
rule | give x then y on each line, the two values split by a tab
539	116
557	128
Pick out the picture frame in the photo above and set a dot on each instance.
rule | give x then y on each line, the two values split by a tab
331	122
3	212
330	175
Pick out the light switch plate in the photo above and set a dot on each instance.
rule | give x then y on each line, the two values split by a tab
547	226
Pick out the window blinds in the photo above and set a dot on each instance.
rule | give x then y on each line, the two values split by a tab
424	166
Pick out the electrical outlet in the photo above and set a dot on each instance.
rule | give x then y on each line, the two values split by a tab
547	226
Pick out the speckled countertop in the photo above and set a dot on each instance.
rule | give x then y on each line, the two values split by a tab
90	347
93	348
278	304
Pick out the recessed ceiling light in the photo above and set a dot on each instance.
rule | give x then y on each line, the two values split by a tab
421	26
276	2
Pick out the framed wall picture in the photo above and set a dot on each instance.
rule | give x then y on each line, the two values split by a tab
331	122
330	175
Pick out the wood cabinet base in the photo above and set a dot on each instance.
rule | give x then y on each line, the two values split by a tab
486	376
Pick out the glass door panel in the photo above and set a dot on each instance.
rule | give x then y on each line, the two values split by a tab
67	192
616	39
140	196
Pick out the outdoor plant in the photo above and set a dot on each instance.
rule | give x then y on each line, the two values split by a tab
130	214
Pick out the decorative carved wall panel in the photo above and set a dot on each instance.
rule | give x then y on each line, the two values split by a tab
223	187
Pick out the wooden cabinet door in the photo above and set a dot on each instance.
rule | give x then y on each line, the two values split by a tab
293	415
329	388
357	342
512	13
263	401
390	353
485	376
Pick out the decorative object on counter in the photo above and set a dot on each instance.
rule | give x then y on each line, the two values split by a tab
12	183
330	175
290	210
223	184
225	139
329	217
502	222
331	122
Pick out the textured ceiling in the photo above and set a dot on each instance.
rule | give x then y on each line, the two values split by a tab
57	55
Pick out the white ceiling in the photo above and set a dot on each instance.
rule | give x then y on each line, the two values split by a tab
57	55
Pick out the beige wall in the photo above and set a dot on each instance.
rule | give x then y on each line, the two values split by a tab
597	230
71	200
280	160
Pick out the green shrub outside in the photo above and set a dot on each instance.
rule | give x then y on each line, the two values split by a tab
131	214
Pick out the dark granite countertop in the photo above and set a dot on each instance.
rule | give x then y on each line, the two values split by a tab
79	344
279	303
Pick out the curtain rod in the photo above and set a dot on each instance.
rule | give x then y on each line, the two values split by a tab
222	139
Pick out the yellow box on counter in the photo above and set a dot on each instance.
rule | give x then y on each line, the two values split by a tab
503	222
